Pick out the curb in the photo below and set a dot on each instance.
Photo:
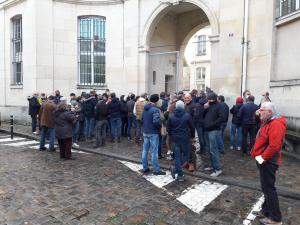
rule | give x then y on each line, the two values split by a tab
284	192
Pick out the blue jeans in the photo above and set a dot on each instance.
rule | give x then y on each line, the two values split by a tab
51	134
115	124
150	140
213	148
138	131
181	152
200	133
89	124
221	137
131	121
75	131
233	131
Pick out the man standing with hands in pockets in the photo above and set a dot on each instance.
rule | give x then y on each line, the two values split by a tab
266	152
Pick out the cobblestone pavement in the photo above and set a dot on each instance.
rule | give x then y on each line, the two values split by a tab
236	166
38	188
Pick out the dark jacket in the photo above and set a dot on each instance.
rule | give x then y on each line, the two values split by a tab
225	111
89	107
130	106
198	114
151	119
180	126
247	115
101	112
57	99
34	106
114	108
189	108
63	123
234	111
213	117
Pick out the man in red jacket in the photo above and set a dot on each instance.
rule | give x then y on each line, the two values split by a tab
266	152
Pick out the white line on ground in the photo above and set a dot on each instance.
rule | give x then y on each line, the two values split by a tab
16	144
9	140
80	152
158	180
256	207
200	195
38	146
4	136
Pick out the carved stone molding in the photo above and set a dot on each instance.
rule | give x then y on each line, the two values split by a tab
92	2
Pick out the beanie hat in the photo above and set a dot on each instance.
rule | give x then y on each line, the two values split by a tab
239	100
212	96
179	105
154	98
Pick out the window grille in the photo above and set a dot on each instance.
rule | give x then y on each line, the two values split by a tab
92	53
288	6
17	64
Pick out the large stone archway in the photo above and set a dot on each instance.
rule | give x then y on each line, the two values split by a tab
170	25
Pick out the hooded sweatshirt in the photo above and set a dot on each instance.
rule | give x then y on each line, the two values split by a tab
180	126
269	140
151	119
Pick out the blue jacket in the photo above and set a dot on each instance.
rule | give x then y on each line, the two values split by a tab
247	115
180	126
151	119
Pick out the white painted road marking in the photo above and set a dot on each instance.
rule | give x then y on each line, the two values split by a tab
256	207
159	181
198	196
9	140
22	143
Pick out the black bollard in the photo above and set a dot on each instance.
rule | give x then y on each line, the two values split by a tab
12	127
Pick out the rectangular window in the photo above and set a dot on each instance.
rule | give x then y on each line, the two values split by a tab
92	53
154	77
17	64
200	73
201	47
288	6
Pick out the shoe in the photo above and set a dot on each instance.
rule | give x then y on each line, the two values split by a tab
184	165
119	140
172	172
180	178
75	145
222	152
216	173
231	147
191	167
146	171
42	148
208	169
36	132
96	146
159	173
239	148
267	221
52	150
160	156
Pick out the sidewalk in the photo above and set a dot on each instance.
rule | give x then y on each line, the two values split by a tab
238	169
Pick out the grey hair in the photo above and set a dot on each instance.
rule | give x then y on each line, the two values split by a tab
269	106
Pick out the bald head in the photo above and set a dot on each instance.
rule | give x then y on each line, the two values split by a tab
187	98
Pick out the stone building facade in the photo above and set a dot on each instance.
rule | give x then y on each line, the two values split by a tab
74	45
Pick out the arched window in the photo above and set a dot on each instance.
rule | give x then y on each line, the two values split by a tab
17	48
91	45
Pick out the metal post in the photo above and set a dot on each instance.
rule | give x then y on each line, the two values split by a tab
11	126
0	119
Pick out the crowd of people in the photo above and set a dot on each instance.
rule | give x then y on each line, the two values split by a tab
167	125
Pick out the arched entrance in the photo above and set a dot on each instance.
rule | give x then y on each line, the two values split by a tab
165	34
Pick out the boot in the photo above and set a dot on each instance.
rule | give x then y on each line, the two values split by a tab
191	167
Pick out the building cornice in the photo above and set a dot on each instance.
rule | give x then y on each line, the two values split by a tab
9	3
92	2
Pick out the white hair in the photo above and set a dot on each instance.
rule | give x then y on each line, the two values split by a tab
269	106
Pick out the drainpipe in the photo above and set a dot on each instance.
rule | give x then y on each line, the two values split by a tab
245	46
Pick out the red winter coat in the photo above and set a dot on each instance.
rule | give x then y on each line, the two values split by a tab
270	140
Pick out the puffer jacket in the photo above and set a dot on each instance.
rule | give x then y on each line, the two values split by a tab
139	108
180	126
270	139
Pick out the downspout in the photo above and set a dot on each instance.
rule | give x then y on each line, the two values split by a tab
123	28
138	45
245	46
4	59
